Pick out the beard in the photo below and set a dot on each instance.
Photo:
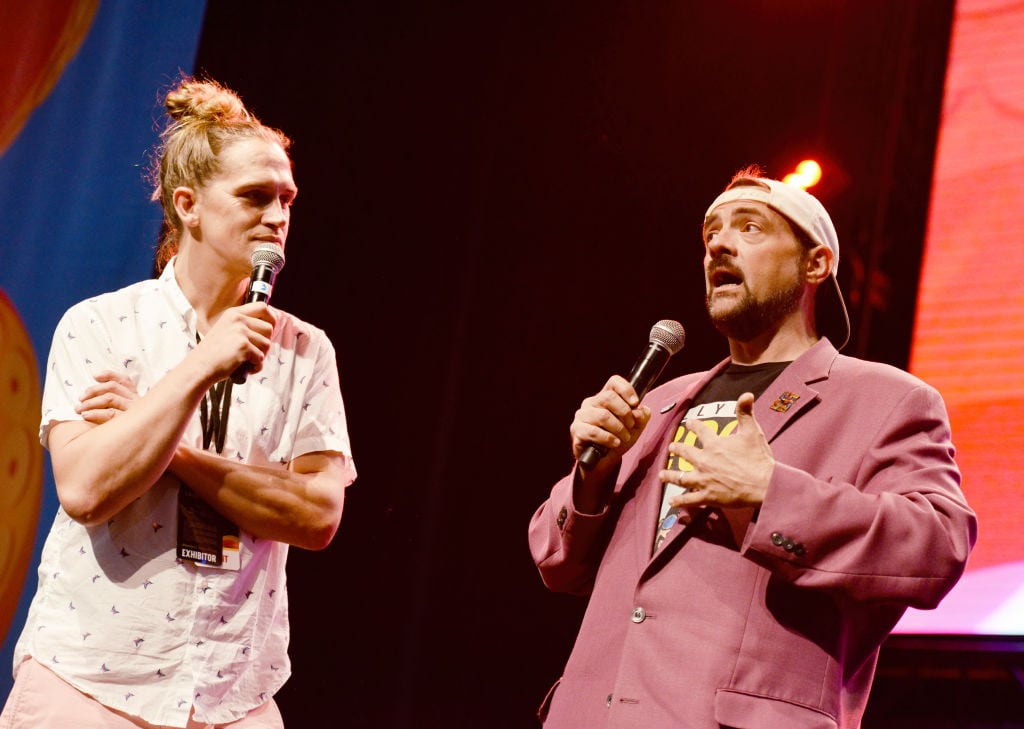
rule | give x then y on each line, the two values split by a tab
748	318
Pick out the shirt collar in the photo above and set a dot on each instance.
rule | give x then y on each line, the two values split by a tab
176	297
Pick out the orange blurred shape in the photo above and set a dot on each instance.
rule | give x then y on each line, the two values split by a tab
21	458
40	37
808	174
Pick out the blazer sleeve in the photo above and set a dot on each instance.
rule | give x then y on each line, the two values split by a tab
567	545
894	527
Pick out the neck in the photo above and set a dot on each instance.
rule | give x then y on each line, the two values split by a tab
757	352
209	287
784	342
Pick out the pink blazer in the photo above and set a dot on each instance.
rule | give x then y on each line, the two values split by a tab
864	516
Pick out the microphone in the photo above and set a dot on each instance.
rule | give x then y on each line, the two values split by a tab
267	261
667	338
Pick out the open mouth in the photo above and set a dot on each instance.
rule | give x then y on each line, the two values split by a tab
723	277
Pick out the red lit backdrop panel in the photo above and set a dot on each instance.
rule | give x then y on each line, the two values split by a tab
969	334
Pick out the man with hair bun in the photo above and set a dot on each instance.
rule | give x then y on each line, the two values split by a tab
755	531
162	599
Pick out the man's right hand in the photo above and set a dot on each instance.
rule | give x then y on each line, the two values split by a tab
241	334
613	418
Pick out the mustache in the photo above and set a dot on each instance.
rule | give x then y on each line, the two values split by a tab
723	267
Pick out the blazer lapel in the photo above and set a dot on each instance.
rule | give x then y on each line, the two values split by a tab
792	393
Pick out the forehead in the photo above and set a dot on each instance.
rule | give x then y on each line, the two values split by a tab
744	209
256	160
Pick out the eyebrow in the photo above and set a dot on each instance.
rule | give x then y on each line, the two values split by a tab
743	210
254	184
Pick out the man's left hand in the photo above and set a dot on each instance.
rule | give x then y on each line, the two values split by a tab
728	472
112	394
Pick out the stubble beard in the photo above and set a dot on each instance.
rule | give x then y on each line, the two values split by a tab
748	318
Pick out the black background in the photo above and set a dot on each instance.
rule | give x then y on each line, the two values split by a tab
497	202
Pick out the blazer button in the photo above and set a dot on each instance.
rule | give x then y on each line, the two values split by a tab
777	539
788	545
562	516
799	550
639	615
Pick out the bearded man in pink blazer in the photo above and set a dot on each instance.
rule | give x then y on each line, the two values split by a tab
754	532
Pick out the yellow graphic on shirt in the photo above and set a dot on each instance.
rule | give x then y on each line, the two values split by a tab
719	416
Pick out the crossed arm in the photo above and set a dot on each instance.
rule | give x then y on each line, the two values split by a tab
126	442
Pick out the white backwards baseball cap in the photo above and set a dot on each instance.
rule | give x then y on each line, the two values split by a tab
805	212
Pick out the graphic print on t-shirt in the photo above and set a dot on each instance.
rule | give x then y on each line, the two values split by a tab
721	418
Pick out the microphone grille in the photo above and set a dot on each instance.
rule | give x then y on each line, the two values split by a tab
270	254
669	334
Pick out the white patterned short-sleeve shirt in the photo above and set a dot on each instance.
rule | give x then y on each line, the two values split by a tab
116	614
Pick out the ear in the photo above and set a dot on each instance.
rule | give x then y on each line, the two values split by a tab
185	205
818	264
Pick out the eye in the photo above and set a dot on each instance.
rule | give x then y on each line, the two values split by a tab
751	227
710	234
256	197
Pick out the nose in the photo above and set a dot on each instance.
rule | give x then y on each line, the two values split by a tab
276	214
723	242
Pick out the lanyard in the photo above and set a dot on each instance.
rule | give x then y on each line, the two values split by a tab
213	413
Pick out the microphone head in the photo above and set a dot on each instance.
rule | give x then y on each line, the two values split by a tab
270	254
668	334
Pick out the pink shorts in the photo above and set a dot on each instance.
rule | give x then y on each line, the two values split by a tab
41	700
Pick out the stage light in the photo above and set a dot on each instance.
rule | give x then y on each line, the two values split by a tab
808	174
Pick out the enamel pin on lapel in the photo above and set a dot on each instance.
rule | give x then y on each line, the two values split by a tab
784	402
